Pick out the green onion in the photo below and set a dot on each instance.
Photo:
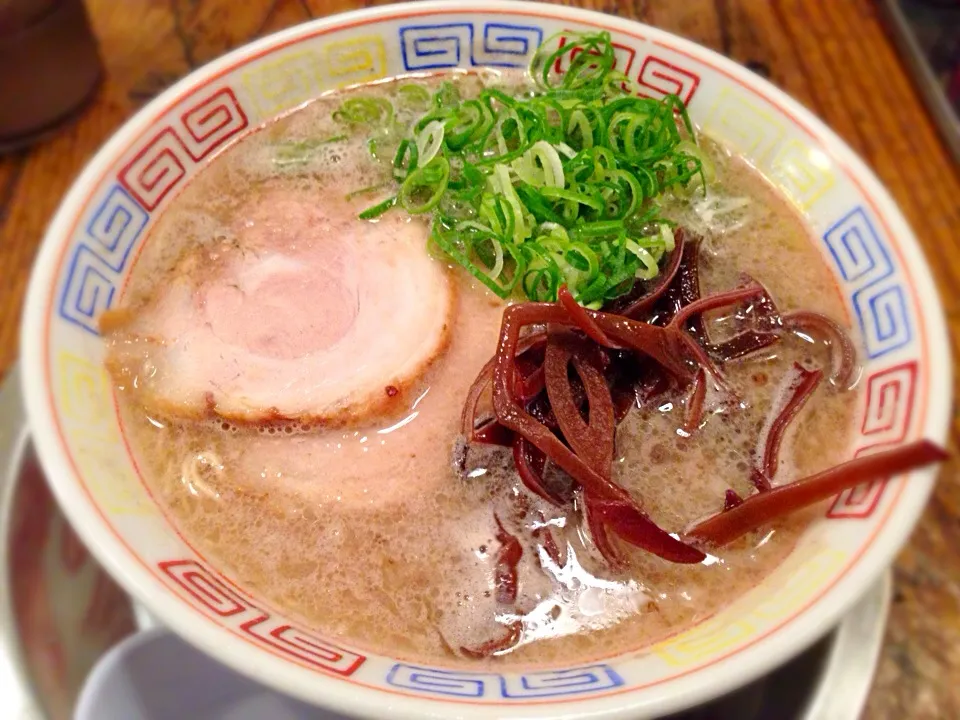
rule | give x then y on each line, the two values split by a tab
413	97
365	111
429	141
649	269
430	179
447	96
299	152
366	190
550	187
378	209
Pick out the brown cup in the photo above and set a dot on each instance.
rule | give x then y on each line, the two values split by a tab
49	66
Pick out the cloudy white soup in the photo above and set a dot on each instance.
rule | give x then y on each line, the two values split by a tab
511	368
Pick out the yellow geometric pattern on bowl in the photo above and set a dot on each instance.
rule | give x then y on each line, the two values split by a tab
802	172
84	394
739	122
706	640
284	82
357	60
791	595
724	633
83	389
111	482
294	77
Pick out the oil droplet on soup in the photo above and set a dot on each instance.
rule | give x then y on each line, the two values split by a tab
350	515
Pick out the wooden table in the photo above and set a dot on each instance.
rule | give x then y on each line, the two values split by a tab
832	55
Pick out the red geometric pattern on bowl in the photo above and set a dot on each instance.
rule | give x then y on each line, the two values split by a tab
162	163
207	592
889	404
886	420
658	78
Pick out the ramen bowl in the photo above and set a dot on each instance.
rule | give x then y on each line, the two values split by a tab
95	238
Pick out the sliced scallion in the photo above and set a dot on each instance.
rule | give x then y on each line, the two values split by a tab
555	186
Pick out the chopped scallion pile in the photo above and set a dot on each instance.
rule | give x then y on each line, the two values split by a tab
555	186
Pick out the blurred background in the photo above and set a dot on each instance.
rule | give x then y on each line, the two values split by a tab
885	74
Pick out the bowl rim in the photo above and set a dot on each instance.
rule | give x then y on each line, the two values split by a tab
753	660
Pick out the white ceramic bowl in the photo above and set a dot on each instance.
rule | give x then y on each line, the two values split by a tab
94	240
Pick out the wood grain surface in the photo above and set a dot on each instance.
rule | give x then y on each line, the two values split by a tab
832	55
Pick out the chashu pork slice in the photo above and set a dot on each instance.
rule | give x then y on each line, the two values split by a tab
307	314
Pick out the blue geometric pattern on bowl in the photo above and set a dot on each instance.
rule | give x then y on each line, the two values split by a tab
428	47
99	260
548	683
868	274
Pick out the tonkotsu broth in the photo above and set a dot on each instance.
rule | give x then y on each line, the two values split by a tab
369	534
